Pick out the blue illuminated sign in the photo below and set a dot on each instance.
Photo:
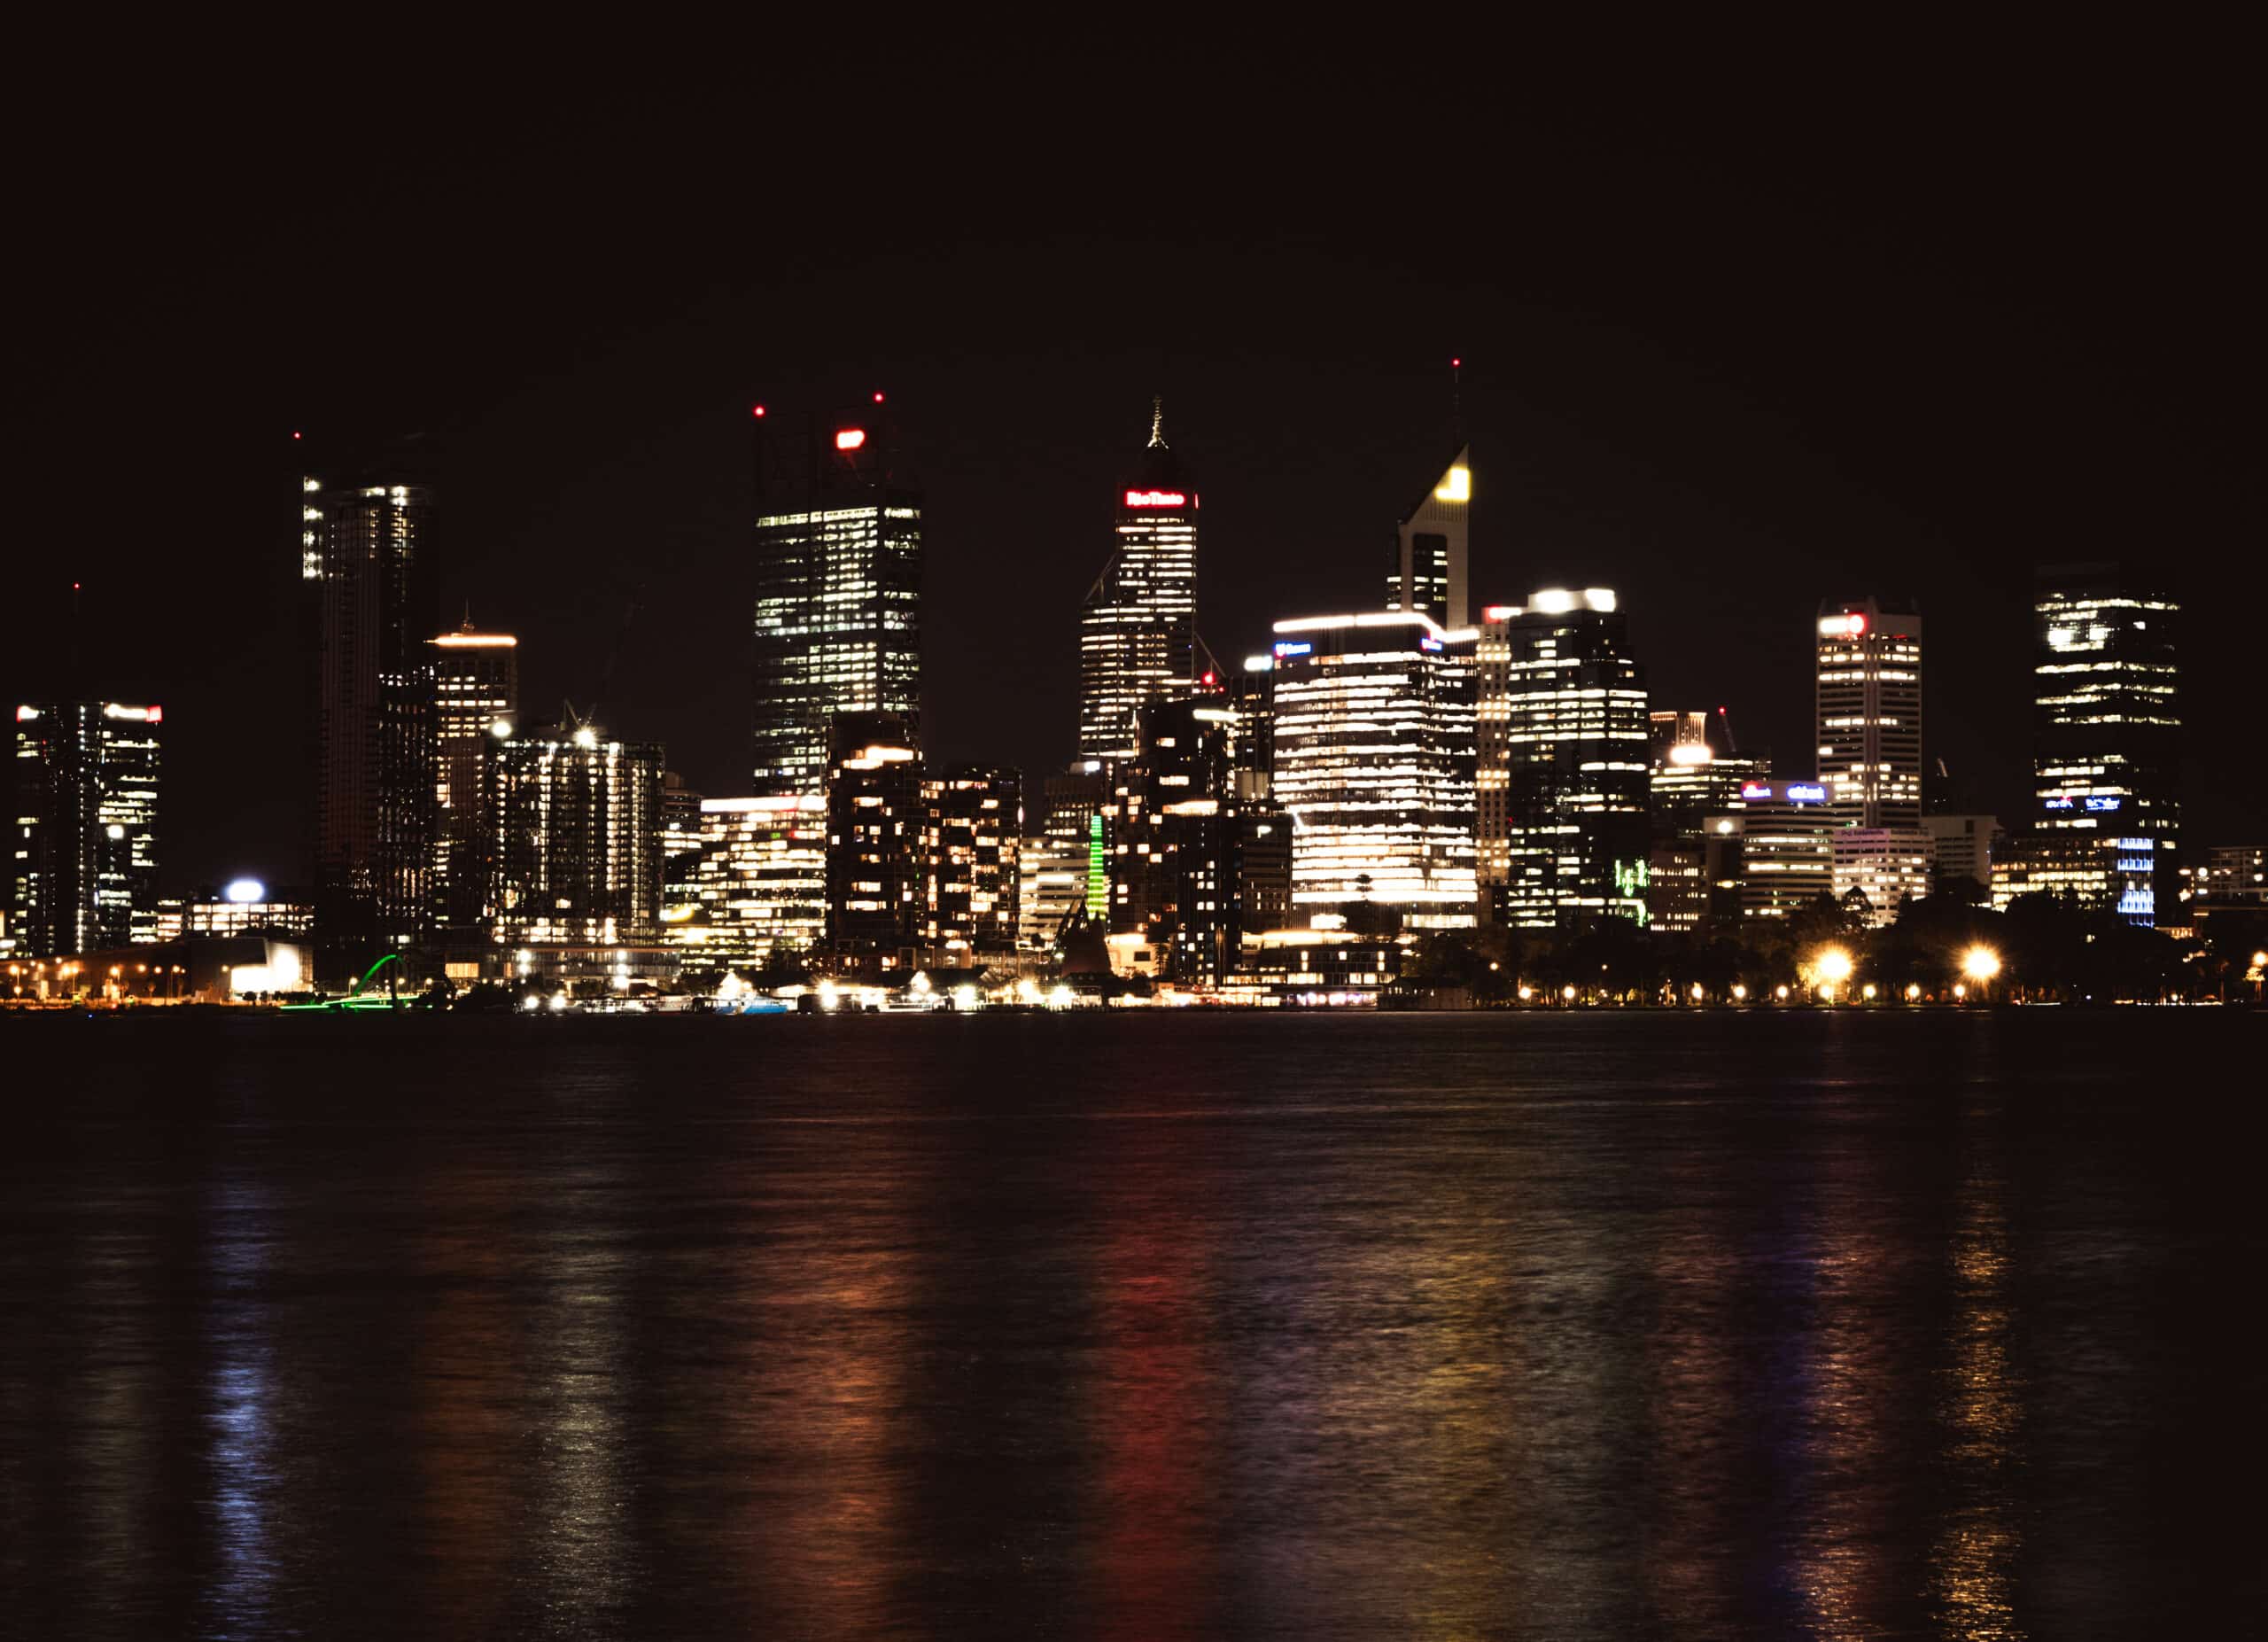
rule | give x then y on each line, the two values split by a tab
1289	649
1429	643
1805	792
2058	803
2101	803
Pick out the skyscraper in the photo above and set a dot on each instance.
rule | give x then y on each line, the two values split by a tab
874	838
577	846
85	856
838	594
2108	737
366	559
1563	754
1869	700
748	880
971	829
1138	629
1175	831
476	688
1374	764
1427	571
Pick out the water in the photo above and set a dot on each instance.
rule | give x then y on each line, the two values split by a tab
1150	1327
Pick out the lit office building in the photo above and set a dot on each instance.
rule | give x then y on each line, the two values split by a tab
85	856
1775	855
476	688
1074	803
1426	574
1963	847
1174	828
2089	869
1138	629
1869	698
1052	887
1689	781
875	816
1887	864
2107	753
972	832
838	575
578	839
367	563
1562	734
245	906
748	882
1374	765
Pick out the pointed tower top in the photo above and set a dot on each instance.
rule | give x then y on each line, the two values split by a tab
1158	422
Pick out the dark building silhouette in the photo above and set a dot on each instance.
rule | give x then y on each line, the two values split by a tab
874	815
366	558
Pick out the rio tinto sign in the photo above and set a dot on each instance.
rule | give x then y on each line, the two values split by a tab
1156	499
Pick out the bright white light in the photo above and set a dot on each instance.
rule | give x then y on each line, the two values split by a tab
1455	485
1980	964
502	729
558	1000
1691	752
964	997
1061	998
530	1002
244	892
114	830
1832	966
586	737
921	982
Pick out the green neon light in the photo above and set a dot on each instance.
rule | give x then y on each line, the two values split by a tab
1098	889
392	957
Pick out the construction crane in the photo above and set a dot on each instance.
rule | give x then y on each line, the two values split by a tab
1725	717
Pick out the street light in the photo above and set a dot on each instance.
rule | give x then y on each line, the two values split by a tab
1980	964
1830	967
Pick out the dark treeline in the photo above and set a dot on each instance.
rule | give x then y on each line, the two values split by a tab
2046	948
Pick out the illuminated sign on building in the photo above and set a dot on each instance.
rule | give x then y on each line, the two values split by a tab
1755	789
850	439
1851	626
1289	649
1157	499
1805	792
2102	804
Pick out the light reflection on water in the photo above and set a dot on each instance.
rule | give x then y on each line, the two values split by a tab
1428	1328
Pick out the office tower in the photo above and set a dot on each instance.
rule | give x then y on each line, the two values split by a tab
2099	870
242	906
838	594
367	562
1562	731
1374	765
578	843
1138	629
972	831
1173	831
1887	864
874	817
1963	847
1252	694
1052	887
1427	571
1689	779
1869	698
1075	801
85	856
746	882
1775	855
476	688
2108	738
1263	868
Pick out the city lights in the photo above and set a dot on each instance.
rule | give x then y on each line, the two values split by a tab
1980	964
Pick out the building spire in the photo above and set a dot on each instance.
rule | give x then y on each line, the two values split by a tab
1158	422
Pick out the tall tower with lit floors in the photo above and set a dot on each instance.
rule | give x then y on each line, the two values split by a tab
1137	629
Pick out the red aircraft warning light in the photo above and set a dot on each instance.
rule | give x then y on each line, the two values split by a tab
850	439
757	413
878	396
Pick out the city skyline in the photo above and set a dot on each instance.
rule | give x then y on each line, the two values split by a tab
1700	381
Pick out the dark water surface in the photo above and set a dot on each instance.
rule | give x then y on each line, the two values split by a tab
1539	1326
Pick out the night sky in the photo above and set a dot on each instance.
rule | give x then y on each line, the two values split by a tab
1731	358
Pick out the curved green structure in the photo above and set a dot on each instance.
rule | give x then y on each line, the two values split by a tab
384	959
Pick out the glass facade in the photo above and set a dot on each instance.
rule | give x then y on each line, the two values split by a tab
2108	737
972	833
1426	573
1137	629
1564	786
1373	719
837	616
578	839
1869	700
476	688
747	883
84	855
